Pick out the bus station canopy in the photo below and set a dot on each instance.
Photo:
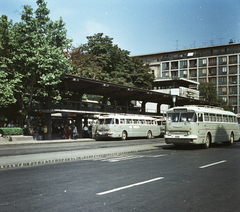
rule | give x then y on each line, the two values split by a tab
107	89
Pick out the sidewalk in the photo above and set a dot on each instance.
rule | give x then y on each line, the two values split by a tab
15	161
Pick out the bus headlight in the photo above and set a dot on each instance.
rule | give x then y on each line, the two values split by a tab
189	133
167	133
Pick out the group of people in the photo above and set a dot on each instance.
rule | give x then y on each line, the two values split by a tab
70	131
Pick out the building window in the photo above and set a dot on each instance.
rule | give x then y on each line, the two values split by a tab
165	66
212	71
222	80
174	65
174	74
213	61
232	69
232	100
213	80
183	64
192	63
223	98
233	59
222	60
202	80
233	90
193	73
233	80
202	72
222	70
183	73
202	62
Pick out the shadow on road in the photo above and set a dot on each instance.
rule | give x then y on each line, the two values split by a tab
199	147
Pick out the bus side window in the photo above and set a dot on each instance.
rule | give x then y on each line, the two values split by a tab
116	121
129	121
225	118
200	117
135	121
122	121
206	117
219	118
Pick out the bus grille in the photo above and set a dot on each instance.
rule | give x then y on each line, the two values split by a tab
104	130
178	132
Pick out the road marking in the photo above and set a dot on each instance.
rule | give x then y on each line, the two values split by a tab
113	159
212	164
129	186
123	158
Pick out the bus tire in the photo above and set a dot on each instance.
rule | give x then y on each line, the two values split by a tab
124	135
231	139
149	134
208	141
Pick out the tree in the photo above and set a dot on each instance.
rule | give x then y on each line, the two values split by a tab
100	59
37	55
208	91
8	76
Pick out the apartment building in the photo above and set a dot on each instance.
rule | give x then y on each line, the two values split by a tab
216	64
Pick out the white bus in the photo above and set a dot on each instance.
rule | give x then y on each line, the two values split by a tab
125	126
200	125
162	124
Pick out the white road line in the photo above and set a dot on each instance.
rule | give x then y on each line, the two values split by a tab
129	186
123	158
156	156
212	164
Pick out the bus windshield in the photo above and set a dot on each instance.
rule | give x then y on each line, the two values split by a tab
106	121
181	117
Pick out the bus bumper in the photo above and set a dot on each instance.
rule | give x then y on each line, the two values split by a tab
181	139
100	135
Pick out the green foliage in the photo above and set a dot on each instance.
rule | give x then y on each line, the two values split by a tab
102	60
32	58
11	131
208	91
8	77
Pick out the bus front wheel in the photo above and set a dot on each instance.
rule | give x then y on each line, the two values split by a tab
124	135
207	142
231	139
149	134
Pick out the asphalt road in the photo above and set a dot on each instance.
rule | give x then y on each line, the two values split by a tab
170	179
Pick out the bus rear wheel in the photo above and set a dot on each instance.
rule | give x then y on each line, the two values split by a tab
124	135
149	134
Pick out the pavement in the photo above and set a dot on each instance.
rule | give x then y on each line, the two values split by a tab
16	161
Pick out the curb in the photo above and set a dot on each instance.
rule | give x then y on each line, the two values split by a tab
45	162
39	142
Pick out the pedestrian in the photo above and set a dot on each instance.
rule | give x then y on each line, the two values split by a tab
69	132
65	131
75	132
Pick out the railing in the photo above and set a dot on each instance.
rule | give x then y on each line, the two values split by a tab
200	55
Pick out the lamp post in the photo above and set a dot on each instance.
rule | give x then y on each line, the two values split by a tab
174	97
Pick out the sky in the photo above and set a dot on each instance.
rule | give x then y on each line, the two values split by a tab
143	26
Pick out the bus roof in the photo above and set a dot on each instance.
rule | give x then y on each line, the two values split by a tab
202	108
126	116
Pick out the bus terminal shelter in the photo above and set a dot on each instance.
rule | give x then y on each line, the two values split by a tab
81	109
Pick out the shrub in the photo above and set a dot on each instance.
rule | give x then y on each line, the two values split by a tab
11	131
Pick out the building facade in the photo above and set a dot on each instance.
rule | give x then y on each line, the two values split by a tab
216	64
